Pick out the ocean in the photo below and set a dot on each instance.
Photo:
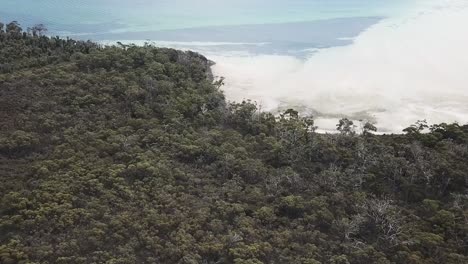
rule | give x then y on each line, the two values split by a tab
92	16
256	26
387	62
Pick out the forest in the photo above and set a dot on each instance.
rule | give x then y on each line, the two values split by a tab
131	154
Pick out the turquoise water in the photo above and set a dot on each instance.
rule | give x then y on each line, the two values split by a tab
291	27
92	16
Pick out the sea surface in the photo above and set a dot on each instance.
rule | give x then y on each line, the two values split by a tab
102	16
391	62
293	27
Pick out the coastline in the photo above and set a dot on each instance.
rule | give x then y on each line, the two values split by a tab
370	68
395	73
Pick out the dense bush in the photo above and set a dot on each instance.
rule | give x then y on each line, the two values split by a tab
131	155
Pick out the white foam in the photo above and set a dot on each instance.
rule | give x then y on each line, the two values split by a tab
399	71
187	44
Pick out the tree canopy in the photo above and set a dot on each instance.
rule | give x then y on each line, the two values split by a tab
131	154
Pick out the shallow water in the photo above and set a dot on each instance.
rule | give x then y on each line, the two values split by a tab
92	16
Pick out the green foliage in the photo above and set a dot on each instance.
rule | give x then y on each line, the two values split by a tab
346	127
131	155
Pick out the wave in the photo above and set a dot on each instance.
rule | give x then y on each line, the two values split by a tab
400	70
161	43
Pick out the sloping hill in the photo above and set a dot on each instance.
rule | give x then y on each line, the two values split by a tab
131	155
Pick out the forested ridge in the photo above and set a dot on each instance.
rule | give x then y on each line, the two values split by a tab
131	154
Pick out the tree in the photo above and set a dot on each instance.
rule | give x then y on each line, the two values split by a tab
38	29
13	28
368	128
385	218
417	128
220	82
346	127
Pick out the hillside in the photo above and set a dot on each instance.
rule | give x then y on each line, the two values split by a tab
132	155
